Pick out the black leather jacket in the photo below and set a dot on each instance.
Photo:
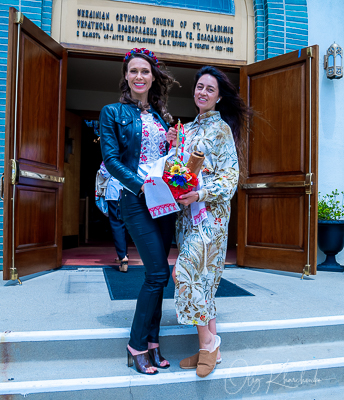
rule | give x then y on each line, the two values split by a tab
120	142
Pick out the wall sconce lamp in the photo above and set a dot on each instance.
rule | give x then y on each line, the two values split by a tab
333	62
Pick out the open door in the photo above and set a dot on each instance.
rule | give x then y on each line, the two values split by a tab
34	150
277	197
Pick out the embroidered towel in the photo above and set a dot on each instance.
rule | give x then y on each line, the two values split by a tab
159	198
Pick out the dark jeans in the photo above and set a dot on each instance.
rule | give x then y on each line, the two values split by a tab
153	238
118	229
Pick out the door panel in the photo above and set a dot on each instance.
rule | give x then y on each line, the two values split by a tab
278	150
71	191
36	204
39	135
285	209
35	104
276	214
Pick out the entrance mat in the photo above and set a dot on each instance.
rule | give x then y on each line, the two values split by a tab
126	286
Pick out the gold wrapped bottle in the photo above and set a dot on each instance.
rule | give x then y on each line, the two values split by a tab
195	161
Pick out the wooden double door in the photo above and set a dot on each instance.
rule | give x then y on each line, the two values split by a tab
277	198
34	154
277	195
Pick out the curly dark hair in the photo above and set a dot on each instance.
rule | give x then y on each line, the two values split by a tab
158	93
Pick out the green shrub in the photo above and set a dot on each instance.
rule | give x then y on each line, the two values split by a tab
329	208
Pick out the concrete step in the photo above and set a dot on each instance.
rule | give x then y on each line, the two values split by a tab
234	383
107	343
259	358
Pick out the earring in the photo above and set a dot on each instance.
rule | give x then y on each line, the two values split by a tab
218	100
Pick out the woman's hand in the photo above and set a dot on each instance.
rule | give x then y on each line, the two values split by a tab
174	274
188	198
172	135
143	188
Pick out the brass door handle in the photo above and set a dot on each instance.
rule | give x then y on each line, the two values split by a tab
308	184
13	171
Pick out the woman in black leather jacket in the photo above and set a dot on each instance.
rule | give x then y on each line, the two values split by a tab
132	137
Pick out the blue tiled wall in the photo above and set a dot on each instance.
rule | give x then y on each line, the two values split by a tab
215	6
39	11
281	26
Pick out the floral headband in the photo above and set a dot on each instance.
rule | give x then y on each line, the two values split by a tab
140	51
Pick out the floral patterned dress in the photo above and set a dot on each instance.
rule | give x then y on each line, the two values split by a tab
195	290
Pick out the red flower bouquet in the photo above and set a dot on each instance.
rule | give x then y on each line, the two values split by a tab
179	179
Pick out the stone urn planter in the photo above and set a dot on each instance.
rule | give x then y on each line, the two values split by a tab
331	242
331	229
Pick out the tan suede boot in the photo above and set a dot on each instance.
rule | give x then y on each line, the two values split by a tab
206	360
206	363
189	362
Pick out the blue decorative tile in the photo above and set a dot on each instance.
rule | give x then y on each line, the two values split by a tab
223	7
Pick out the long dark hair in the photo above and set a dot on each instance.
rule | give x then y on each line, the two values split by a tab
232	107
158	93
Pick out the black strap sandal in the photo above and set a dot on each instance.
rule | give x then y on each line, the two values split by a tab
142	362
157	358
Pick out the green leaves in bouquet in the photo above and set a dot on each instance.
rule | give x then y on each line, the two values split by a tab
329	207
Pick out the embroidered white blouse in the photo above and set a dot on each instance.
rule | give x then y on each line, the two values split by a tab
153	139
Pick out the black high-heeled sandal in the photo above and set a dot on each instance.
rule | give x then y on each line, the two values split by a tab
142	362
157	358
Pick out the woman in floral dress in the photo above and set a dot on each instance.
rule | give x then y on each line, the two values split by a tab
202	249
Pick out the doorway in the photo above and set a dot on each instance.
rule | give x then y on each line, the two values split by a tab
284	90
93	82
